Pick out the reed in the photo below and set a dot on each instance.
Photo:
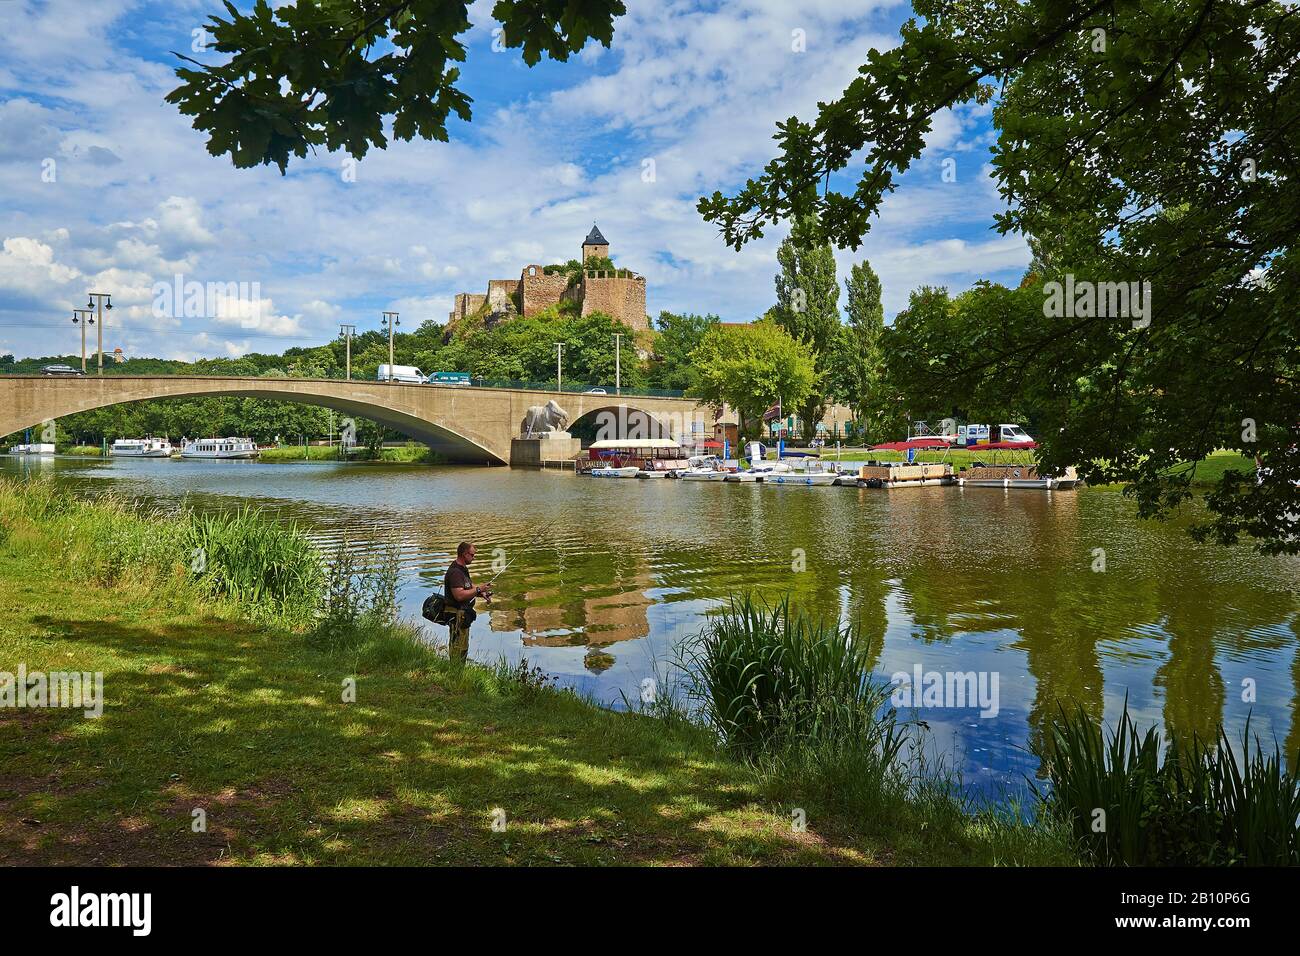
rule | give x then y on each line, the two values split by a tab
1132	800
769	678
262	564
268	569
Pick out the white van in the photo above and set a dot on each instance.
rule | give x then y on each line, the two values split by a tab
401	373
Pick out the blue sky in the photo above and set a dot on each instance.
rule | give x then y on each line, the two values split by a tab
698	88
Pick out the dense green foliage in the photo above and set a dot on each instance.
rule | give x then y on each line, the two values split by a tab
807	306
1133	802
678	335
855	374
752	367
330	72
1136	143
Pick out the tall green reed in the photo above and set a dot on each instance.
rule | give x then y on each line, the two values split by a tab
1132	800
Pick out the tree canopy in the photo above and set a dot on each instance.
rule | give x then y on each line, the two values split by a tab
330	72
1152	145
752	367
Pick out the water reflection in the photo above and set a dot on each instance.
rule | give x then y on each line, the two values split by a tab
952	579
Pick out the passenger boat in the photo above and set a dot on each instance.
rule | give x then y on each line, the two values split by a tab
141	448
219	448
612	457
33	448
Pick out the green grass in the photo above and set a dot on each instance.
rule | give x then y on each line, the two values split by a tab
85	451
248	722
406	454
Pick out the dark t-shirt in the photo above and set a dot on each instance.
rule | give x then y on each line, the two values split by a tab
458	576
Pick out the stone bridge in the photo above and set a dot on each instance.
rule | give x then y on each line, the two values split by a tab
465	424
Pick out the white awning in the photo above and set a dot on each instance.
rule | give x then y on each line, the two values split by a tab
635	443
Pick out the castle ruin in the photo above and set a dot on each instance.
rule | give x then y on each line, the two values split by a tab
619	293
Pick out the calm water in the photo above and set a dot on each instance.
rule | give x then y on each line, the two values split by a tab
950	579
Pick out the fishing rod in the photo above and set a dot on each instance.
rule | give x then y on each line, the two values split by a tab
528	545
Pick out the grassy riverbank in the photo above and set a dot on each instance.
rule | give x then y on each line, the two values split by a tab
402	455
206	710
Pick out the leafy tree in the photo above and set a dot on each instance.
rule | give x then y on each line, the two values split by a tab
330	72
677	336
807	306
1154	142
855	371
752	367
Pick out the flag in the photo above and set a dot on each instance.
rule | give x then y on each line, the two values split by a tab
772	413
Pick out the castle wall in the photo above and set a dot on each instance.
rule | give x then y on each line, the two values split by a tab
595	251
466	303
624	299
500	293
541	291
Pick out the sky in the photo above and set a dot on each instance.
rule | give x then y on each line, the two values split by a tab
105	187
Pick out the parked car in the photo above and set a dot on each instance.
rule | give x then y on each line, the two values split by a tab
61	370
597	391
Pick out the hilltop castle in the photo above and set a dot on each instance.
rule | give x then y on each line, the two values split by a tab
597	288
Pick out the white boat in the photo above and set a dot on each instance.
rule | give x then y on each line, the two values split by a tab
704	468
610	471
808	472
33	448
219	448
141	448
760	471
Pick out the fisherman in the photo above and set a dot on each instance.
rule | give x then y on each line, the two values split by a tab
460	592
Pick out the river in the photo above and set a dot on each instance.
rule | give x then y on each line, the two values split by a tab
1000	583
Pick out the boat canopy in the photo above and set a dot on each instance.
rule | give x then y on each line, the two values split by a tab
913	443
634	443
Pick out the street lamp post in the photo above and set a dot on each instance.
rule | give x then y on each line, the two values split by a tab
346	332
83	317
618	363
100	301
392	321
559	374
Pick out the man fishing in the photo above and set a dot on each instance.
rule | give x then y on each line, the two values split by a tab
459	593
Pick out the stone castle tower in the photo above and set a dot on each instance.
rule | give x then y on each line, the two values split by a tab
619	293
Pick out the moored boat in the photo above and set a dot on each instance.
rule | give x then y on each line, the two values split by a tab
612	471
219	448
141	448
